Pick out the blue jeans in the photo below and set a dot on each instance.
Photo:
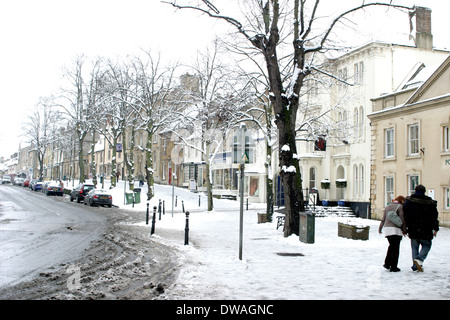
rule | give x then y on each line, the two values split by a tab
422	254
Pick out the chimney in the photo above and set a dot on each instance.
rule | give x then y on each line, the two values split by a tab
424	37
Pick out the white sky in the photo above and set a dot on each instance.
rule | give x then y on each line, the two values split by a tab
39	37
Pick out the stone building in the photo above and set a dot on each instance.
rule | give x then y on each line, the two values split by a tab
411	140
372	70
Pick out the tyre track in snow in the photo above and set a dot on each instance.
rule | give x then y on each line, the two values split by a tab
124	263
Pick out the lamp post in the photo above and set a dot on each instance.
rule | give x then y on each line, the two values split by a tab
241	159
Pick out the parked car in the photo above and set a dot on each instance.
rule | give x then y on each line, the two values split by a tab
44	185
81	191
32	183
54	188
98	197
26	182
18	181
37	186
6	179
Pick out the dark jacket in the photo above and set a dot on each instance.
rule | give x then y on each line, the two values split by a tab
421	216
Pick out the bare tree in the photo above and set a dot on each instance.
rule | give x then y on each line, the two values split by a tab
39	129
212	93
116	113
154	104
300	20
78	102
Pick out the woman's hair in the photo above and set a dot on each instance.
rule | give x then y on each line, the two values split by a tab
400	199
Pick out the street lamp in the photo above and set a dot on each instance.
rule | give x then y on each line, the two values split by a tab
241	157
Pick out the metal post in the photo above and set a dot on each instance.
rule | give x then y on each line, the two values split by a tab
159	209
173	193
199	200
147	215
241	216
164	207
186	230
176	201
153	220
182	205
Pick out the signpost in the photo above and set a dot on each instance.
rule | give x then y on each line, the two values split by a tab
241	158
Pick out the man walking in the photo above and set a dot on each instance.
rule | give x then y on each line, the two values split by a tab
421	217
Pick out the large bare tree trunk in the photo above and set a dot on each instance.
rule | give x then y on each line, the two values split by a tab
290	173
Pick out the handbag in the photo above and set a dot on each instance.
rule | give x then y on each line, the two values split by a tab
394	217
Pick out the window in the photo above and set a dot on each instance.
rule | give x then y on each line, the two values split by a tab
389	143
447	198
361	180
164	171
312	87
446	138
342	122
413	139
356	123
342	75
413	181
312	178
356	73
388	190
254	187
361	121
361	73
355	181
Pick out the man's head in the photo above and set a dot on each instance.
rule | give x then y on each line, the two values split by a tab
420	189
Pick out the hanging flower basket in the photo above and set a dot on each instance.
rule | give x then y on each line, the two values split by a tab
341	183
325	184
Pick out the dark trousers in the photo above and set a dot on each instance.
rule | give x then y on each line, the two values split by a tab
393	251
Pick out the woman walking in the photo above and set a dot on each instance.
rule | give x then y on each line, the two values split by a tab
393	233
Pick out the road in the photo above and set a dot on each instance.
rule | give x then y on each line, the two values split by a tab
38	232
52	248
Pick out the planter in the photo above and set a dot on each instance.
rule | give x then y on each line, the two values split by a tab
341	183
325	203
341	203
353	232
325	184
262	217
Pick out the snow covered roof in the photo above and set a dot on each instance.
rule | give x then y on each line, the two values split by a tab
418	76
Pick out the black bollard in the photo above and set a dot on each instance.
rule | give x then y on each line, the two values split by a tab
147	215
199	200
159	209
176	201
182	205
186	230
153	220
164	207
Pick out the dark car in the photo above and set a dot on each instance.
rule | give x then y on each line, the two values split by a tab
54	188
81	191
98	197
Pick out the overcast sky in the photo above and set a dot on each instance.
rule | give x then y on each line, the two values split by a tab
39	37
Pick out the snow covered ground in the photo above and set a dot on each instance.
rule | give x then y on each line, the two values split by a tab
331	268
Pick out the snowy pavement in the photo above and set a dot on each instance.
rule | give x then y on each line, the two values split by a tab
331	268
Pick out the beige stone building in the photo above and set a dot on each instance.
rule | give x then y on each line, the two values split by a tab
369	71
410	131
